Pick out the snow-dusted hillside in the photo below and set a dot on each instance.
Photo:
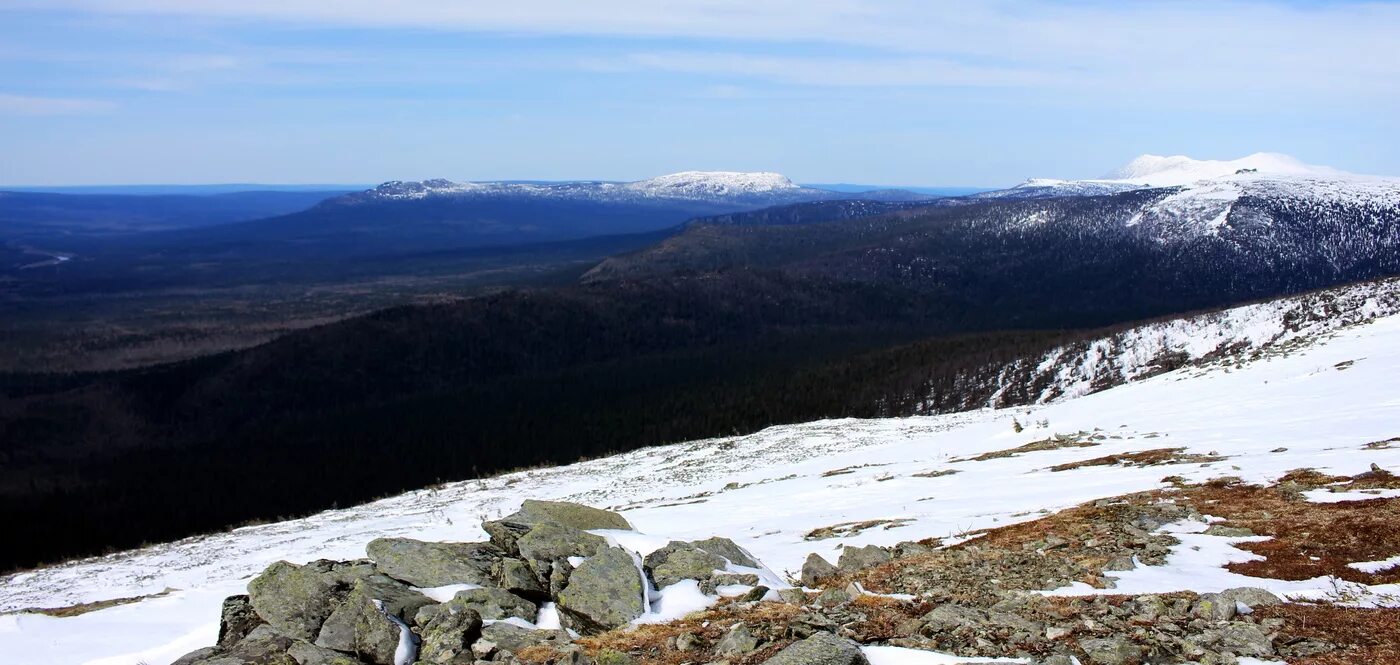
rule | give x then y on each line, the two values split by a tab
1198	196
1159	171
1308	382
717	186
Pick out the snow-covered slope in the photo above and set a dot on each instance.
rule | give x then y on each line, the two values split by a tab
1280	393
719	186
1159	171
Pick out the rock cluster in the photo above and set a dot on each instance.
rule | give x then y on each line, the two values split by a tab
372	611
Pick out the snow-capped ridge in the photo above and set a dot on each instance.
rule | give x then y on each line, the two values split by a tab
714	183
685	185
1168	171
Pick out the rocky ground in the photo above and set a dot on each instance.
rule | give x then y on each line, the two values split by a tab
548	588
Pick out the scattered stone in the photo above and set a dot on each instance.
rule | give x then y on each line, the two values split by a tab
858	558
832	598
821	649
686	642
1111	651
1228	531
793	596
1214	607
604	592
424	564
815	569
737	642
754	595
1251	597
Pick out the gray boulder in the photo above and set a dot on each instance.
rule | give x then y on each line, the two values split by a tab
265	645
568	514
859	558
727	549
426	564
295	599
519	578
449	636
306	653
494	604
198	656
815	569
604	592
737	642
549	542
820	649
236	620
1251	597
1111	651
1228	531
1214	607
359	626
950	617
1241	639
511	638
682	561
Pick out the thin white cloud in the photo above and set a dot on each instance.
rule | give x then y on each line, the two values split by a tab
1182	47
29	105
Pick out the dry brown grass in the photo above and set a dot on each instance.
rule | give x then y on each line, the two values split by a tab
1053	443
1364	635
1154	457
654	644
84	608
1308	539
845	529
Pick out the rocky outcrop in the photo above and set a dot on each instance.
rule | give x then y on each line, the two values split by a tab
424	564
815	569
448	637
604	592
295	599
360	625
493	604
821	649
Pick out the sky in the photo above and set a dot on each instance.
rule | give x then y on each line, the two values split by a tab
899	92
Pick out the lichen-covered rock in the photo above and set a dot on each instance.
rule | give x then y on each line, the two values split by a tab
1240	639
682	561
727	549
424	564
815	569
604	592
517	577
306	653
549	542
236	620
1111	651
295	599
449	636
1214	607
198	656
1251	597
820	649
511	638
264	645
506	532
951	617
859	558
494	604
737	642
359	626
1228	531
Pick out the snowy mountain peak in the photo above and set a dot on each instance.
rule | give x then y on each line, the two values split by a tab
687	184
1160	171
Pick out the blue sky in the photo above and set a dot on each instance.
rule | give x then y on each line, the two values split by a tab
894	92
